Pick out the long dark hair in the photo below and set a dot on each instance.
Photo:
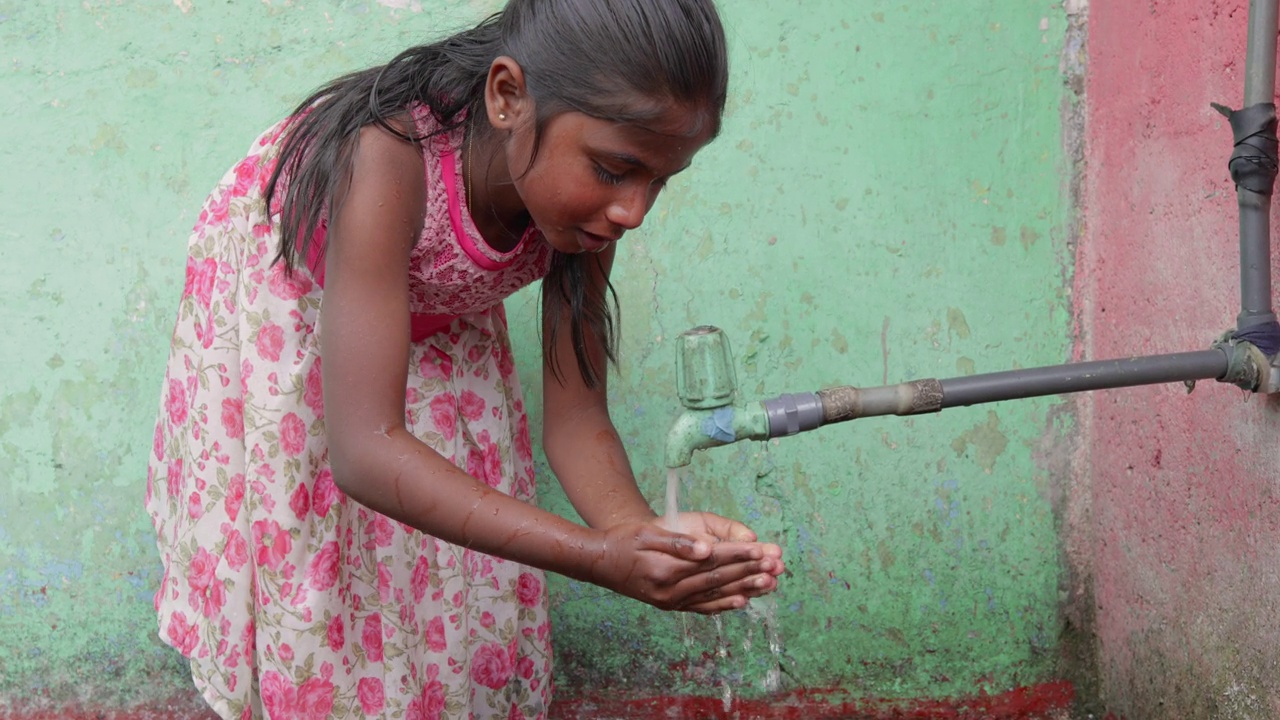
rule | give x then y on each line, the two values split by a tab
616	60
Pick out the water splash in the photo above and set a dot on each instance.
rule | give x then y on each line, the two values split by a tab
722	653
764	611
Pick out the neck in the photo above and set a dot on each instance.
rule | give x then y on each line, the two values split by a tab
495	206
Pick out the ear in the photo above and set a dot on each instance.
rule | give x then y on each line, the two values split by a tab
506	98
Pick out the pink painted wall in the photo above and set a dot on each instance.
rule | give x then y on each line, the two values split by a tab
1176	522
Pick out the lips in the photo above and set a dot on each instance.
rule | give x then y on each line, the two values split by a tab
591	242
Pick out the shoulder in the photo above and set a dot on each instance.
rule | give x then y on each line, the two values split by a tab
383	153
387	177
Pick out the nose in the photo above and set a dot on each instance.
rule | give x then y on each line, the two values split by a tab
627	210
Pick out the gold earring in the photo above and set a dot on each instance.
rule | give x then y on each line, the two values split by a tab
502	116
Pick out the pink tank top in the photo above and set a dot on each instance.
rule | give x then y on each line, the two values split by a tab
452	270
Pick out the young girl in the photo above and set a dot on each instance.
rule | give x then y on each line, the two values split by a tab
342	479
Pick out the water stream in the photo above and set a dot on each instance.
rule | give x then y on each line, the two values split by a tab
760	613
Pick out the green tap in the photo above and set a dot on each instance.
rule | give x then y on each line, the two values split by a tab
706	384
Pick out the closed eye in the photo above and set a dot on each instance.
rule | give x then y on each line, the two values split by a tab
607	177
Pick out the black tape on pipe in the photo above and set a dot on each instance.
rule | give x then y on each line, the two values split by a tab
1253	161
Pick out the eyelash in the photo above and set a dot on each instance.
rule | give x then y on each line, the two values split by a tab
607	177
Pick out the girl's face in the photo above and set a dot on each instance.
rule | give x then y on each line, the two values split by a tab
592	180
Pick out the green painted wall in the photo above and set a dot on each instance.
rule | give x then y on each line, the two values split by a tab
885	203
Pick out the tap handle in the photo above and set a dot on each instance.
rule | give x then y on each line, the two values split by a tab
704	368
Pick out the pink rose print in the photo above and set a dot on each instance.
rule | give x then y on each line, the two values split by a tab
336	633
293	435
370	693
194	507
271	543
371	637
300	502
475	467
529	590
246	173
325	493
200	277
383	531
233	417
211	599
470	405
287	286
279	696
493	465
157	443
525	667
322	572
435	634
235	496
270	342
444	415
384	582
435	365
201	571
237	551
182	634
524	445
506	363
174	478
313	389
315	699
176	403
491	666
430	704
420	579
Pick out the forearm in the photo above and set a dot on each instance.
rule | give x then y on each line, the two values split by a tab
589	460
399	476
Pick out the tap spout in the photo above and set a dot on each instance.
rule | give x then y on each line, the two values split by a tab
702	429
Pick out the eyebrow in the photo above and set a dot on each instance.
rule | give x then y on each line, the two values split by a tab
632	160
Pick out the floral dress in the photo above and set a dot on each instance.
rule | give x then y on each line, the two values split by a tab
289	599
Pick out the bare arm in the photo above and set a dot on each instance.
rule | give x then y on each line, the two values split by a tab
380	464
579	438
365	345
588	457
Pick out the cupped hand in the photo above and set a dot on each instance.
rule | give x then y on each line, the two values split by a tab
724	535
697	571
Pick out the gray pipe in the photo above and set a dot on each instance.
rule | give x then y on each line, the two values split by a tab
791	414
1260	56
1077	377
1255	207
1255	259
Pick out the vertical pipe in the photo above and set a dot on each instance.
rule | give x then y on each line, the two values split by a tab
1255	208
1260	58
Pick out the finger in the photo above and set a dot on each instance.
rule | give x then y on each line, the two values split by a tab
686	547
725	597
727	529
751	586
719	605
735	552
721	581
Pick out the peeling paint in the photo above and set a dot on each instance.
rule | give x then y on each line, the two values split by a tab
986	440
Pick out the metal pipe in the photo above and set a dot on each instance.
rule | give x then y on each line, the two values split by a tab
1255	207
1255	259
792	414
1260	55
1077	377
